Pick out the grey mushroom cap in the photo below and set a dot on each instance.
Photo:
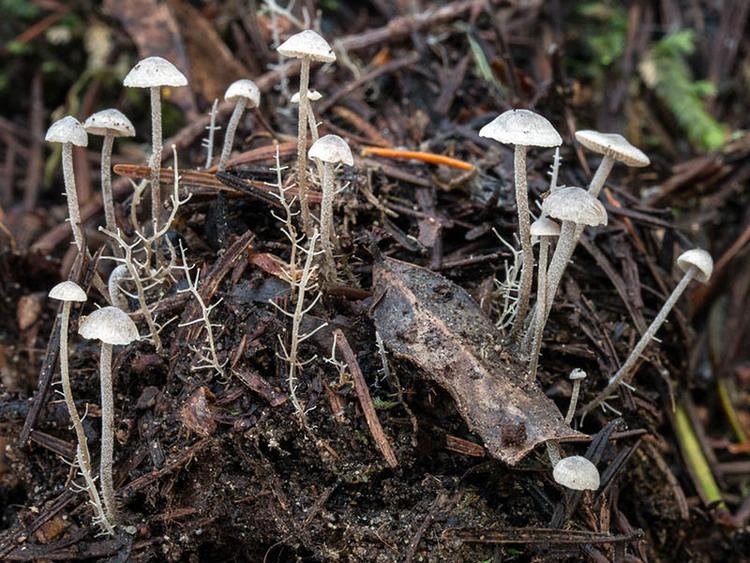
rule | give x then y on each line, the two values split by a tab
522	127
576	205
109	122
613	145
333	149
153	72
246	89
577	473
307	44
110	325
545	227
68	291
699	258
577	373
67	130
312	95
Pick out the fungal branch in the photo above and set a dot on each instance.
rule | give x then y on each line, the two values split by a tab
212	128
508	288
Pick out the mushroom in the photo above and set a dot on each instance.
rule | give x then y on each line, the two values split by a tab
576	208
522	128
696	264
245	94
69	132
614	148
546	229
153	73
313	96
330	150
109	123
112	327
307	46
577	473
576	376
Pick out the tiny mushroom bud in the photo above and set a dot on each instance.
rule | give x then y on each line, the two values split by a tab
330	150
547	230
108	123
69	132
313	96
522	128
577	473
245	94
307	46
576	376
696	264
154	73
614	148
112	327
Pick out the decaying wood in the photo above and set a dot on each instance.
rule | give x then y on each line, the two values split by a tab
428	320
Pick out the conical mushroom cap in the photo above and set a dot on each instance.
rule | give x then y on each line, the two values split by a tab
522	127
246	89
577	473
153	72
312	95
109	122
576	205
67	130
68	291
110	325
577	373
613	145
545	227
333	149
307	44
700	259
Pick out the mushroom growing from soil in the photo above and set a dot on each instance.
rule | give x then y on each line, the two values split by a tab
576	376
109	123
577	473
547	230
614	148
245	94
330	150
696	264
307	46
154	73
112	327
522	129
69	132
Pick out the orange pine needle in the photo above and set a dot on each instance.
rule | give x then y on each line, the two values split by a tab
429	157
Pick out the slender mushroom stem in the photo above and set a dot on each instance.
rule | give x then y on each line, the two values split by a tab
646	338
156	150
72	195
560	259
326	220
544	244
527	268
601	175
304	81
234	121
553	452
108	433
573	401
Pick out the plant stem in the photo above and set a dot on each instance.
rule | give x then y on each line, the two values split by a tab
108	431
544	244
234	121
72	195
646	338
304	80
524	233
326	222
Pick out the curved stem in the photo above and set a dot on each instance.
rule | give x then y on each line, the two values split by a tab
326	221
573	402
541	300
646	338
524	233
553	452
234	121
108	431
601	175
304	80
74	212
156	150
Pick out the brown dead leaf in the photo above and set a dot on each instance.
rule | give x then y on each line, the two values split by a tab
430	321
198	412
28	309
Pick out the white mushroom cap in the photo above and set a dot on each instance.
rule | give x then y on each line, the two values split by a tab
577	373
68	291
246	89
307	44
700	259
109	122
110	325
545	227
154	72
613	145
577	473
522	127
312	95
576	205
333	149
67	130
